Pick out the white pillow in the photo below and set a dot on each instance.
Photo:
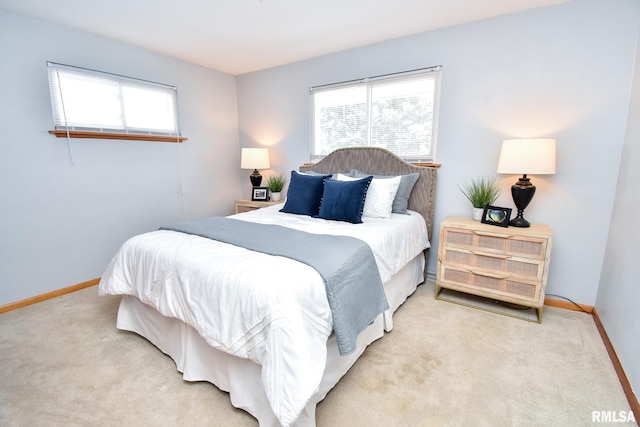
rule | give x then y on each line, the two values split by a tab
380	195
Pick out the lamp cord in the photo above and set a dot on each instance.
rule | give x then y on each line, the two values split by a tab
571	301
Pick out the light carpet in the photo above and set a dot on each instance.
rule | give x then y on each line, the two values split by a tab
63	363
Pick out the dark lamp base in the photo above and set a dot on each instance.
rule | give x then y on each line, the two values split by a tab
256	178
519	222
522	193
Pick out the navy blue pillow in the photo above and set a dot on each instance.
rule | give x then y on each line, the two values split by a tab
304	194
344	200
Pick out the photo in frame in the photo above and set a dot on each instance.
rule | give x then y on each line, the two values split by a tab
495	215
260	194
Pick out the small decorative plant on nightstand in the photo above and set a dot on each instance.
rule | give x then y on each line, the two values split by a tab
276	183
480	192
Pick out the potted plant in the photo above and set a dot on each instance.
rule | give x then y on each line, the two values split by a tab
276	183
480	192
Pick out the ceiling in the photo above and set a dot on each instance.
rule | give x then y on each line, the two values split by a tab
240	36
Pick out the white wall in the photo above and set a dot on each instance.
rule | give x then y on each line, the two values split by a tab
619	292
62	222
563	71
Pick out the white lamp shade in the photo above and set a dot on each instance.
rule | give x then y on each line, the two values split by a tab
528	156
254	158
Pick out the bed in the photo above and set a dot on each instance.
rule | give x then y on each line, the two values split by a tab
266	328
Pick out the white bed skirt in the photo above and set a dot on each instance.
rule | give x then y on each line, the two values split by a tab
241	377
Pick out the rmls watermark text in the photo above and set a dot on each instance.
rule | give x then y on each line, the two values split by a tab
612	417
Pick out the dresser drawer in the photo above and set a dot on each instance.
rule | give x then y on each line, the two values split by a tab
491	284
526	268
498	243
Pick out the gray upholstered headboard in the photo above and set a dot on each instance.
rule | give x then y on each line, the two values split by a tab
380	161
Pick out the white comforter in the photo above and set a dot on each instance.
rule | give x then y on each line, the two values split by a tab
269	309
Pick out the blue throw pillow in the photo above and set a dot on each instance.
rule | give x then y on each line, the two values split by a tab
344	200
401	200
304	194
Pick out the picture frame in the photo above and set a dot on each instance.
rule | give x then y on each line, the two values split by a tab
495	215
260	194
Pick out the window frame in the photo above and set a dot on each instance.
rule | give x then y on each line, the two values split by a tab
71	127
370	83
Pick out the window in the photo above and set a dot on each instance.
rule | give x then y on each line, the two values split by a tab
398	112
105	105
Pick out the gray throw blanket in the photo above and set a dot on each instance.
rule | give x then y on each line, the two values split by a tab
347	265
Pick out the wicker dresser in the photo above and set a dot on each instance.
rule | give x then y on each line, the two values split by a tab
504	264
246	205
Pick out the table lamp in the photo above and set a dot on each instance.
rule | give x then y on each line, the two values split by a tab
255	158
526	156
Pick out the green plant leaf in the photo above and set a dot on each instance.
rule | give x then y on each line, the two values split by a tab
276	182
481	192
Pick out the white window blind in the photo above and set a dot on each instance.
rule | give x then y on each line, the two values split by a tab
398	112
89	100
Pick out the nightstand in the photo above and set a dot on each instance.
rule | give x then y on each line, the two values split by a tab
509	265
246	205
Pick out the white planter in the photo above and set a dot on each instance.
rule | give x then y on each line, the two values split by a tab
477	213
276	196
